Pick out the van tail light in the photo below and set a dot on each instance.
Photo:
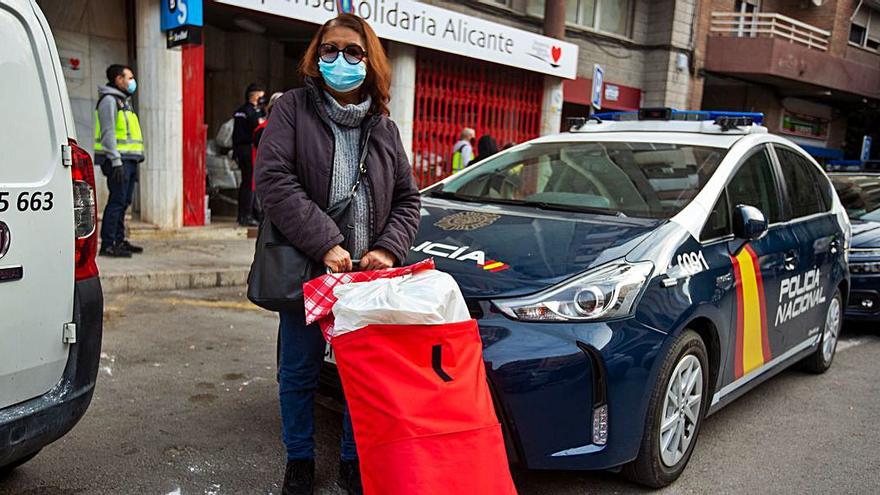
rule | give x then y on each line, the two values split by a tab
85	212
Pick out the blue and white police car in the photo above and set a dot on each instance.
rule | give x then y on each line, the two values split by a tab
637	274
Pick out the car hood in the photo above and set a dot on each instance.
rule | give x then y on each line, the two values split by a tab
865	234
504	251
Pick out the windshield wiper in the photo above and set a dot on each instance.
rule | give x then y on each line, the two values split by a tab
575	208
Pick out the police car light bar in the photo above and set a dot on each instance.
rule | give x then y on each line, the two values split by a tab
722	118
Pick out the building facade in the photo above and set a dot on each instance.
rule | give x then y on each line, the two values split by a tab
812	67
502	67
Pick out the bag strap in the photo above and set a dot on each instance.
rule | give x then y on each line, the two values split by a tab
362	164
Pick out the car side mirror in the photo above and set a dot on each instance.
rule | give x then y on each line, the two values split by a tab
749	223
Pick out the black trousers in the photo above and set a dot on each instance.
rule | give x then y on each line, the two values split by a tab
121	194
242	154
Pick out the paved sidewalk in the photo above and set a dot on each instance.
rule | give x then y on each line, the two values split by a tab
196	262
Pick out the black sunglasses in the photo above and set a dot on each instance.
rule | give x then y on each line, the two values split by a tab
353	54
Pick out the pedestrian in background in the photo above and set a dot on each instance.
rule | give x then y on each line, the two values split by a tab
248	116
119	148
463	151
486	147
309	159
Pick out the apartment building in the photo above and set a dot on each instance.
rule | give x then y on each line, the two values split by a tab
812	66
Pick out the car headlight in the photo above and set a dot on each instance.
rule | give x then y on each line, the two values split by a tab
609	291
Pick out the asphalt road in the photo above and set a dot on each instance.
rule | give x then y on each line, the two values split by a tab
186	404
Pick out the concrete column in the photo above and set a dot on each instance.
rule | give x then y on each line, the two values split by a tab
551	106
551	103
160	86
403	90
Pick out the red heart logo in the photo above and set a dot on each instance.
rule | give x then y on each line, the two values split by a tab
556	52
74	63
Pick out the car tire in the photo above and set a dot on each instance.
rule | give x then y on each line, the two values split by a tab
821	360
9	468
657	466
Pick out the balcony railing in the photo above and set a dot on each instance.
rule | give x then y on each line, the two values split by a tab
768	25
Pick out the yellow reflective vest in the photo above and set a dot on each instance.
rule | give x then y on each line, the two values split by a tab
129	138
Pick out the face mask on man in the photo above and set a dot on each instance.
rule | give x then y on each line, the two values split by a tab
132	87
342	76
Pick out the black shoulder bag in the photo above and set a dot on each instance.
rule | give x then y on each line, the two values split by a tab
280	269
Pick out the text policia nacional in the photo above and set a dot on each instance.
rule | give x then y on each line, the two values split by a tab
390	14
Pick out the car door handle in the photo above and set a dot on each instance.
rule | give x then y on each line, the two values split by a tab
791	260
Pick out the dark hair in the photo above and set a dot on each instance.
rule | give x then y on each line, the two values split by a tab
253	88
378	81
486	146
115	71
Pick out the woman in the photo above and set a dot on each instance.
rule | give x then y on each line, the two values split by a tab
486	147
308	159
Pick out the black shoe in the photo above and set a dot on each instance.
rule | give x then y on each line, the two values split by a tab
248	222
115	251
131	247
350	477
299	478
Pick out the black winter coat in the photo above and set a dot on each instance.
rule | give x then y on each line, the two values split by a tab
294	168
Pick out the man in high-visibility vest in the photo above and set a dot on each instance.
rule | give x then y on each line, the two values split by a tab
119	148
463	151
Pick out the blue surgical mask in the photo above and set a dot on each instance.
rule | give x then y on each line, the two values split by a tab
132	87
342	76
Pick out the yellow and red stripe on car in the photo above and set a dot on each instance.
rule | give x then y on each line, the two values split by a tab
495	266
752	344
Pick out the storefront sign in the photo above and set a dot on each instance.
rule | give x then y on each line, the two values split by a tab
424	25
612	92
802	125
186	35
179	13
598	82
865	155
72	64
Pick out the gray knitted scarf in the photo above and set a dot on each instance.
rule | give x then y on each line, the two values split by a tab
345	123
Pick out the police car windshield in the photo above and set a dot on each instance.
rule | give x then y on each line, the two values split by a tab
860	195
636	179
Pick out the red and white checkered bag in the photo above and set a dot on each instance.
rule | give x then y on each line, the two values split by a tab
319	298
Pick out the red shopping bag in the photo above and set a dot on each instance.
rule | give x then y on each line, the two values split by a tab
419	400
422	413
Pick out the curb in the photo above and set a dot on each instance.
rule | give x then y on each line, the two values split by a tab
175	280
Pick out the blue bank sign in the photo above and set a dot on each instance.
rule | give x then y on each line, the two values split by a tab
180	13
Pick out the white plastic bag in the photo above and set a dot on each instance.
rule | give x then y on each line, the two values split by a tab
224	134
430	297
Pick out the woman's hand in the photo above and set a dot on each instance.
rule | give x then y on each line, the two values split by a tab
337	259
377	259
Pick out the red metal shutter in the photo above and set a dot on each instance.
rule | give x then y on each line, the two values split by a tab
455	92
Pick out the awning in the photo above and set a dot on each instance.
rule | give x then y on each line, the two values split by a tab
614	96
825	153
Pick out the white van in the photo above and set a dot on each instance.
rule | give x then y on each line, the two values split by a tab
51	304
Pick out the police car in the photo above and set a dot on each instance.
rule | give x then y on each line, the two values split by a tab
860	194
636	275
51	303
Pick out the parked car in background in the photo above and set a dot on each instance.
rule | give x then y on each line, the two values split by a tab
860	194
51	303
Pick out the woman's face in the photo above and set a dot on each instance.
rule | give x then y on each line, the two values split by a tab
342	37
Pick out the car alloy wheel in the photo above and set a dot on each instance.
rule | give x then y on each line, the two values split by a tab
681	409
832	329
